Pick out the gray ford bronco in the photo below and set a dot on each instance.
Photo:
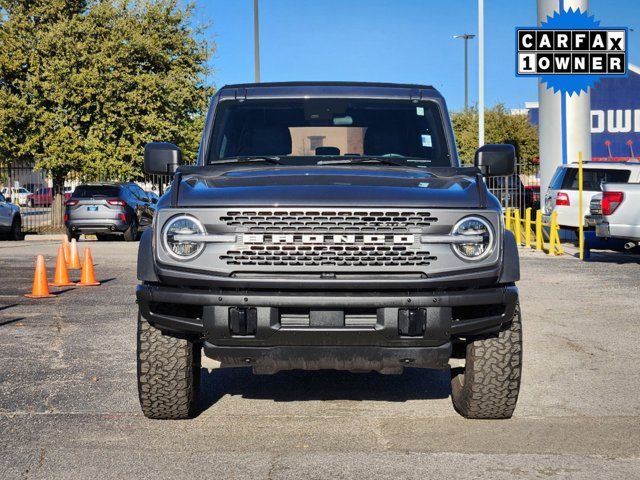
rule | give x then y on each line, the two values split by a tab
329	226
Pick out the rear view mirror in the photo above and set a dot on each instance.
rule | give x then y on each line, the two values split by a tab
161	158
496	160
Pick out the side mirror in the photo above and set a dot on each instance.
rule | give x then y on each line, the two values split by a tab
496	160
161	158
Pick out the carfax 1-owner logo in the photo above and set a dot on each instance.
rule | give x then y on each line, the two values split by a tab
570	51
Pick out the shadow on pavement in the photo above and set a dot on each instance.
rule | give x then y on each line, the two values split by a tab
298	385
619	258
13	320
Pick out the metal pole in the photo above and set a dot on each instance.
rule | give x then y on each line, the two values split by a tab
466	72
466	37
256	41
580	207
480	73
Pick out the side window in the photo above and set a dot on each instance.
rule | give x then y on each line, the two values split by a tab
593	178
556	181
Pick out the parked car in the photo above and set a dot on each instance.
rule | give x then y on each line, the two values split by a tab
275	256
532	197
43	197
562	195
106	209
17	195
10	219
153	196
614	213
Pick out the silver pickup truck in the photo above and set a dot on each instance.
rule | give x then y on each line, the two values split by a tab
616	212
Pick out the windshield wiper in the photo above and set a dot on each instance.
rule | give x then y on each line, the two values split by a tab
258	158
385	161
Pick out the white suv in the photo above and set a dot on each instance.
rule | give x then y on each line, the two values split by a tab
562	195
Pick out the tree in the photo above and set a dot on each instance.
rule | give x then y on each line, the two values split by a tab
500	127
85	84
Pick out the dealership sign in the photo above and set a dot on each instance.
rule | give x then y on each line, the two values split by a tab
570	52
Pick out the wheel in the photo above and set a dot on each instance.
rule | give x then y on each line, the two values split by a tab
103	237
168	374
489	385
131	233
73	236
30	203
16	229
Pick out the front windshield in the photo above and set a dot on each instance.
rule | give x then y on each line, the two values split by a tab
321	129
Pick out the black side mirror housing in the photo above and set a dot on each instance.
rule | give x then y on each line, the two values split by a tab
161	158
496	160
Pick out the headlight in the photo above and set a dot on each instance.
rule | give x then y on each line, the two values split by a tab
480	234
180	248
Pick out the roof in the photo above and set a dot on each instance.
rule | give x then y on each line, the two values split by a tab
329	84
634	164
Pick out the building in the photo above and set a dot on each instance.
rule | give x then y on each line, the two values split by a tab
615	117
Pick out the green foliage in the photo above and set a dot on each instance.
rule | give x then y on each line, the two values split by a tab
85	84
500	127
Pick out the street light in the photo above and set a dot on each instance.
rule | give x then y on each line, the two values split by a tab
466	37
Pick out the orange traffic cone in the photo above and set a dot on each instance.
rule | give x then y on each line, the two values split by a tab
88	276
66	249
40	287
61	277
74	259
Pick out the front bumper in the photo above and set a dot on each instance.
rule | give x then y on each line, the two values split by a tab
380	345
100	225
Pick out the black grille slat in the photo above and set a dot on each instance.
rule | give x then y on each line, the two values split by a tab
329	221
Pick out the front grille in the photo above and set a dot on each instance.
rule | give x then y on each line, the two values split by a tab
329	255
358	225
335	221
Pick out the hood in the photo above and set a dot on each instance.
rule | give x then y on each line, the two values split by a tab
326	186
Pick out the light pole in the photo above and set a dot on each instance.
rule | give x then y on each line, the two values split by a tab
466	37
480	73
256	41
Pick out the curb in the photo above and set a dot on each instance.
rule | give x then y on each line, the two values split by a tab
44	238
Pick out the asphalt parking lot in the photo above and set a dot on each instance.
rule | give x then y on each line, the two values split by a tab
68	401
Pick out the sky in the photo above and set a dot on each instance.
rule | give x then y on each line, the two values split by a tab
405	41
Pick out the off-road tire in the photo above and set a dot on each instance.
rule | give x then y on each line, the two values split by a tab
131	233
489	385
16	229
168	374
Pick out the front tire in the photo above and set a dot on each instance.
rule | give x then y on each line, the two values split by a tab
16	229
168	374
131	233
489	385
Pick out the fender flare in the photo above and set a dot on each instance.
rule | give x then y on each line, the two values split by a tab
510	259
146	268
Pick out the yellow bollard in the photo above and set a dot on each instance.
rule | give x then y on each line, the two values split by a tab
555	247
527	227
507	218
517	226
539	239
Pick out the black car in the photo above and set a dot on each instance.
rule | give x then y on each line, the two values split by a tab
329	226
108	209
